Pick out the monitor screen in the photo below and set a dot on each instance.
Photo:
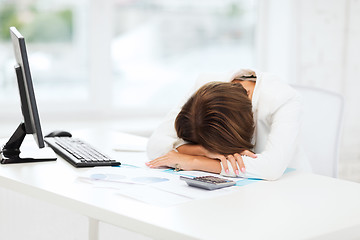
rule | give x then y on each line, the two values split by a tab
10	152
26	90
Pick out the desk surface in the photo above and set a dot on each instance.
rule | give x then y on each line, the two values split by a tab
297	206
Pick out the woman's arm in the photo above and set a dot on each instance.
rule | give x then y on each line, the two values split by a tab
195	157
198	150
191	149
186	162
164	138
280	147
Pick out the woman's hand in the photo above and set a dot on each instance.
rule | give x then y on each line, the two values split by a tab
172	159
235	161
186	162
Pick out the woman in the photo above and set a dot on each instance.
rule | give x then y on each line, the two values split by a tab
275	109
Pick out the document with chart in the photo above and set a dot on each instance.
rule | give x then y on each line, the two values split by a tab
161	187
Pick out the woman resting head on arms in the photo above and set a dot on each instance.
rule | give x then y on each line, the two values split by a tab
217	123
219	118
214	130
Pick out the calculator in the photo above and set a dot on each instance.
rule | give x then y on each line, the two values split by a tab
208	182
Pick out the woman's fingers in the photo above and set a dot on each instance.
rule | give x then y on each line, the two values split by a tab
248	153
157	162
232	160
168	160
151	164
224	163
240	162
235	161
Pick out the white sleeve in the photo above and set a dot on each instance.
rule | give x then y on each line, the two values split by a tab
164	138
281	145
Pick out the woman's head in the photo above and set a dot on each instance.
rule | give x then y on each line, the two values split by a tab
218	117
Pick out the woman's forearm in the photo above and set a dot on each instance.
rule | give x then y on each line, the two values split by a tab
186	162
191	149
199	159
205	164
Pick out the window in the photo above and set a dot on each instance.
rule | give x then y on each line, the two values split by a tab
155	50
160	47
57	60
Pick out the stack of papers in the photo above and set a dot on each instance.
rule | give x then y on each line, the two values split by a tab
161	187
153	186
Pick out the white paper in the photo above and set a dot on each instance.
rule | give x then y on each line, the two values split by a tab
123	145
158	187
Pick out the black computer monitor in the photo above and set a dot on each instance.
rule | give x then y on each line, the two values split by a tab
10	152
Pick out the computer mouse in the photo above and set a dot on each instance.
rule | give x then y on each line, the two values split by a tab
59	134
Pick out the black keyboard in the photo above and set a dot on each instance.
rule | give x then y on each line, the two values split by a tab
79	153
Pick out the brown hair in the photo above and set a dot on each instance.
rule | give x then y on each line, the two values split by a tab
218	117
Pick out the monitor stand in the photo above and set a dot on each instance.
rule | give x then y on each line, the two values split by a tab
10	152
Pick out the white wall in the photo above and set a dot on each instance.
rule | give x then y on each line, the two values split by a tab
317	43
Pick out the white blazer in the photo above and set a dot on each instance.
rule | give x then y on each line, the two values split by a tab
277	114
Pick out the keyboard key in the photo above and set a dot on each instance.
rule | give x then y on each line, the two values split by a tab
79	153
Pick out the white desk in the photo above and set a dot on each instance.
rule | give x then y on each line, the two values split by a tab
298	206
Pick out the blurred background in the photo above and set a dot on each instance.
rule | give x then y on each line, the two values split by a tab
124	64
